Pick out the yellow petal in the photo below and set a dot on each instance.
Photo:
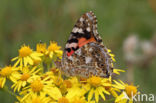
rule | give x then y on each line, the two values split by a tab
117	71
119	86
17	62
90	95
59	52
121	99
21	63
55	95
24	83
104	90
72	93
3	82
96	96
101	94
36	57
34	54
19	87
15	87
13	79
13	59
51	54
25	61
30	60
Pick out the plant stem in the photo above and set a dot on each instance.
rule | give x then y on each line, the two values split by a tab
8	91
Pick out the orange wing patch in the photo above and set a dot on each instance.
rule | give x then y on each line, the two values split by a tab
83	41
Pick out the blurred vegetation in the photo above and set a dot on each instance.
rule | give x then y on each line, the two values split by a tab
29	21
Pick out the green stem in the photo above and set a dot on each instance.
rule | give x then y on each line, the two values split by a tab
110	100
5	88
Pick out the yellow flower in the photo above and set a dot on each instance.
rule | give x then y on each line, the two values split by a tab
114	91
41	86
72	91
67	83
95	81
111	89
42	98
79	100
128	91
1	82
26	56
72	100
117	71
7	72
36	62
53	49
36	86
24	77
41	47
25	51
71	97
112	55
72	87
63	100
98	87
53	46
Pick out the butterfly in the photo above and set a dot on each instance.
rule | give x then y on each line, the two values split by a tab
85	54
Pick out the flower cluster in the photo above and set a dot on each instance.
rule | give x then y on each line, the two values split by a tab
35	79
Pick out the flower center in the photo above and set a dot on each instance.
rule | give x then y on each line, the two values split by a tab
36	100
6	71
41	48
63	100
131	90
95	81
67	83
79	101
25	77
25	51
36	86
53	46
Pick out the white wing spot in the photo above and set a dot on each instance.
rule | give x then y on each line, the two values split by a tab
88	59
96	31
81	19
80	30
75	29
71	58
90	49
78	52
72	45
88	29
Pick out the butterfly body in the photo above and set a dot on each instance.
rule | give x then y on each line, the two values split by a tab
84	54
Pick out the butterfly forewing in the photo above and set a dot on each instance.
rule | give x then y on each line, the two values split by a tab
84	54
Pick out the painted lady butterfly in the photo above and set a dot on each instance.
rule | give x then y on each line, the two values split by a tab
84	54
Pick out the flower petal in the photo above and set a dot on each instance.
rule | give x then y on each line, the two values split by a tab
96	96
90	95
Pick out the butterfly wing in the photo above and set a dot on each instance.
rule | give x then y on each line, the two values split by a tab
84	31
84	53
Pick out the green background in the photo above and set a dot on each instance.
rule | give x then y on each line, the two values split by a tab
29	21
